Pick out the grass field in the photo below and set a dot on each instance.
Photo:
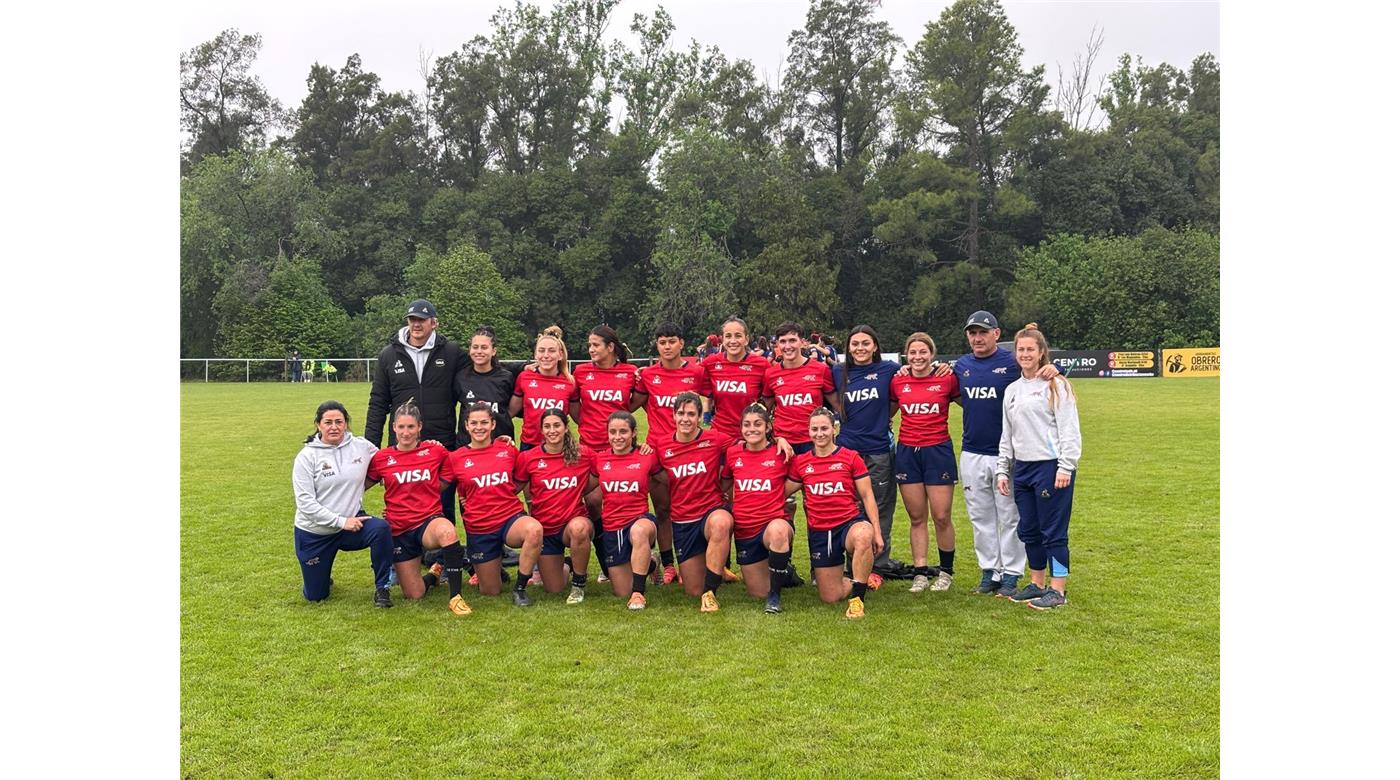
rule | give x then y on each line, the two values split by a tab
1123	682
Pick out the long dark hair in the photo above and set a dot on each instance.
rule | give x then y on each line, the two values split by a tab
329	406
570	443
846	373
762	411
609	336
490	333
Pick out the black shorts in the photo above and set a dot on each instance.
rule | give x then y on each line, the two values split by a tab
828	548
409	544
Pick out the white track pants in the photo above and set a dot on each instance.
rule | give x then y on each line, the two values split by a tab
993	516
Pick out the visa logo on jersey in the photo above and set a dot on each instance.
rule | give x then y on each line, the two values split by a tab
826	488
919	408
622	487
490	480
731	386
414	475
688	469
754	485
865	394
796	399
560	483
980	392
667	401
546	403
613	396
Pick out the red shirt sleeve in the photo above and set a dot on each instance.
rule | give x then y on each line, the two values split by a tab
828	384
519	386
858	468
638	384
374	473
521	472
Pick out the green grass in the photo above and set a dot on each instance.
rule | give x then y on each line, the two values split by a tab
1124	682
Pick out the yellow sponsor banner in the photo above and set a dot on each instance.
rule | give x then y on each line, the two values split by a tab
1131	359
1191	362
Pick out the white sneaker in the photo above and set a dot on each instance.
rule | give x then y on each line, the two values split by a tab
602	576
919	585
944	581
575	595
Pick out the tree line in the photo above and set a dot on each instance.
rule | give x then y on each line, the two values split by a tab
545	175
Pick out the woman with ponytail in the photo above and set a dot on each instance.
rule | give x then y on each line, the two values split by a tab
753	475
328	483
1037	462
557	474
548	386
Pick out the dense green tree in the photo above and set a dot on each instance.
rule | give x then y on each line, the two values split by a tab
223	107
292	310
469	292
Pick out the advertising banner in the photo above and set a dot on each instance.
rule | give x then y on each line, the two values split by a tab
1104	364
1201	361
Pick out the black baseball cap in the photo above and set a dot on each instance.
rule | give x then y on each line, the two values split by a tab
421	309
981	319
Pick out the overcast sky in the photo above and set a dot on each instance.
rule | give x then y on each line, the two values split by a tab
388	37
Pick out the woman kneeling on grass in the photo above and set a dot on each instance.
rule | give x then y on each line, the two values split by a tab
1040	448
838	501
754	470
412	472
701	524
558	476
491	510
625	475
328	482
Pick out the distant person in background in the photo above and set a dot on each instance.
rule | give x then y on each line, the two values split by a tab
296	365
418	364
308	370
1037	460
761	347
328	483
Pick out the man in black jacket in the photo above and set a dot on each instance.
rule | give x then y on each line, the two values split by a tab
421	365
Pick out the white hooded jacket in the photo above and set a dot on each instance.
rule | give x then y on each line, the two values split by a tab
329	482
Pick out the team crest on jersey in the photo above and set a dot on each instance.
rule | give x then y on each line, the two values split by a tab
634	465
746	367
1001	370
809	378
423	453
356	460
314	561
769	463
502	454
872	377
690	380
837	467
703	444
560	386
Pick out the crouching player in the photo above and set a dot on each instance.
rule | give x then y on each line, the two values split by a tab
838	501
625	475
557	474
700	522
755	470
491	510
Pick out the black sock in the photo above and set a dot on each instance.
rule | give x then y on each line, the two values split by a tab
651	566
579	580
668	557
945	560
778	572
712	580
857	590
522	578
639	583
924	570
452	556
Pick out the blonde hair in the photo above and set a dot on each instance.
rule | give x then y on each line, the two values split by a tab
925	338
1033	332
556	333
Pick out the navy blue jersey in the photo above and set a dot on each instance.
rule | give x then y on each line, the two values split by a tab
866	427
984	382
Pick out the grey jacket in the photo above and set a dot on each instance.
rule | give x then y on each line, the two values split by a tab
1032	430
328	482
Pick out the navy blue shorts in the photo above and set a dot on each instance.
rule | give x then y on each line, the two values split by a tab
482	548
752	549
689	536
828	548
409	544
617	545
931	465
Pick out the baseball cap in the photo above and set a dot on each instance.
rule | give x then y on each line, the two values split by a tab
981	319
422	309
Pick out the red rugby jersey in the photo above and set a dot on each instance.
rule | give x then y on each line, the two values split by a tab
601	391
759	481
539	393
661	386
796	392
626	482
923	407
692	469
412	492
733	386
829	495
486	484
556	488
